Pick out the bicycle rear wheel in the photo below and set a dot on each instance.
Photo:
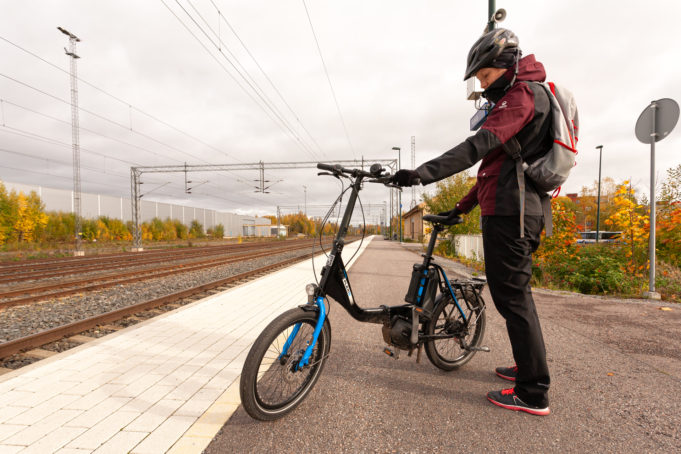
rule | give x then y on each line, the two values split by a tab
448	353
271	383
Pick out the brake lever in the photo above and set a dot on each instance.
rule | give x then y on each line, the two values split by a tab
385	181
335	175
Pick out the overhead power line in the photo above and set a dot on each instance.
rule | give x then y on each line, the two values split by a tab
122	101
268	109
101	117
246	75
48	140
51	141
27	109
114	122
55	142
328	78
222	18
47	160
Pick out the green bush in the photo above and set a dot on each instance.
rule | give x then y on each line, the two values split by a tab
219	231
597	274
88	228
181	230
60	227
593	269
196	230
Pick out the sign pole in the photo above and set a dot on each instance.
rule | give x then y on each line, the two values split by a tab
653	137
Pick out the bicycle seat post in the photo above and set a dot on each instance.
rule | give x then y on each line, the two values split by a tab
437	228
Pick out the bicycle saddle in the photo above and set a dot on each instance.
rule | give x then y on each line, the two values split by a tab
444	220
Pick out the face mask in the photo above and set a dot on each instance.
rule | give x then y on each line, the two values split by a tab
496	90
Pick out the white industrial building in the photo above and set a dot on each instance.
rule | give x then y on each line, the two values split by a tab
96	205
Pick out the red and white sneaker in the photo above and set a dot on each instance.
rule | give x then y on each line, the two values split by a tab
508	399
507	373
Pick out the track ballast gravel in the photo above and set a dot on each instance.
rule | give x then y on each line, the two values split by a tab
20	321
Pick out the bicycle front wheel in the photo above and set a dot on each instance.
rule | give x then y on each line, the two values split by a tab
272	384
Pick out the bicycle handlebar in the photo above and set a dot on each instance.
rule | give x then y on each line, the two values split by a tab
374	174
338	169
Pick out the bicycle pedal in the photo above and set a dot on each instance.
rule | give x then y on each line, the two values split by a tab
479	349
391	353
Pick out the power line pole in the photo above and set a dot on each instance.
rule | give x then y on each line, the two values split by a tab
278	222
75	134
305	191
413	166
399	193
598	201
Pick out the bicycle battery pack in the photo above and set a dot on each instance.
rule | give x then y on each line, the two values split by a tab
423	282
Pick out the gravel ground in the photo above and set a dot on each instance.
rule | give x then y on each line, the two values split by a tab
21	321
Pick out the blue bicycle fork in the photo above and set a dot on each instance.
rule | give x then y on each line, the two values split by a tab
318	328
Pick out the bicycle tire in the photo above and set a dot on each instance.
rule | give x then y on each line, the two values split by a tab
264	372
444	316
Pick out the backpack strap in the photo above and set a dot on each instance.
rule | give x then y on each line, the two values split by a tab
548	214
512	148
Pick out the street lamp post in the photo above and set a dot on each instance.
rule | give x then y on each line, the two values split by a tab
399	193
598	201
491	8
305	191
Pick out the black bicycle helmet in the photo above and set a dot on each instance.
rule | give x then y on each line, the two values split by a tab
488	48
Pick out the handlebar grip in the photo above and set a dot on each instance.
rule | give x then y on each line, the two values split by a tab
330	168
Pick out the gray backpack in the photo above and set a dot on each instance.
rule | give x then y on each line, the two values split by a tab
550	171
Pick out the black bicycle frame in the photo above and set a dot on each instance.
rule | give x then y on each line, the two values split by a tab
335	283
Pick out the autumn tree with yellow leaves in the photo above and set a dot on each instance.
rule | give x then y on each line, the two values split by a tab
22	216
633	221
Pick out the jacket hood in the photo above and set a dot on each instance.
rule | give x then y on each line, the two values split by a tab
529	69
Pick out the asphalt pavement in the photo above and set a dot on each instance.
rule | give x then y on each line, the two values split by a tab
615	382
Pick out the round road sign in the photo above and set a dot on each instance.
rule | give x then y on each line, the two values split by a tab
666	113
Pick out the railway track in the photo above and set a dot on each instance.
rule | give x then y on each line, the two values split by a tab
27	272
33	342
51	290
32	270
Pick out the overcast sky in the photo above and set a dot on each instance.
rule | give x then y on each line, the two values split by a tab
395	67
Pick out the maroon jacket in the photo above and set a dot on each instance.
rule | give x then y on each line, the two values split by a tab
524	111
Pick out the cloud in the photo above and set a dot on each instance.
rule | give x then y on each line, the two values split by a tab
396	68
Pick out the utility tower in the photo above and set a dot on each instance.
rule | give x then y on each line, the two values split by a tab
75	134
413	166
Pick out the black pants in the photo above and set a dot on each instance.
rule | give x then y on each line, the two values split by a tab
508	266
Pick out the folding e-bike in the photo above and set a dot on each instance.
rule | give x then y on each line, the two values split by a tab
445	317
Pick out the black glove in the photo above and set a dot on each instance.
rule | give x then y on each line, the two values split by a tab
406	177
451	213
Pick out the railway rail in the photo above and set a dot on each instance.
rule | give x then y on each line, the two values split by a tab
64	288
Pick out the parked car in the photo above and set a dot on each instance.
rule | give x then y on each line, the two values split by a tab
603	237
